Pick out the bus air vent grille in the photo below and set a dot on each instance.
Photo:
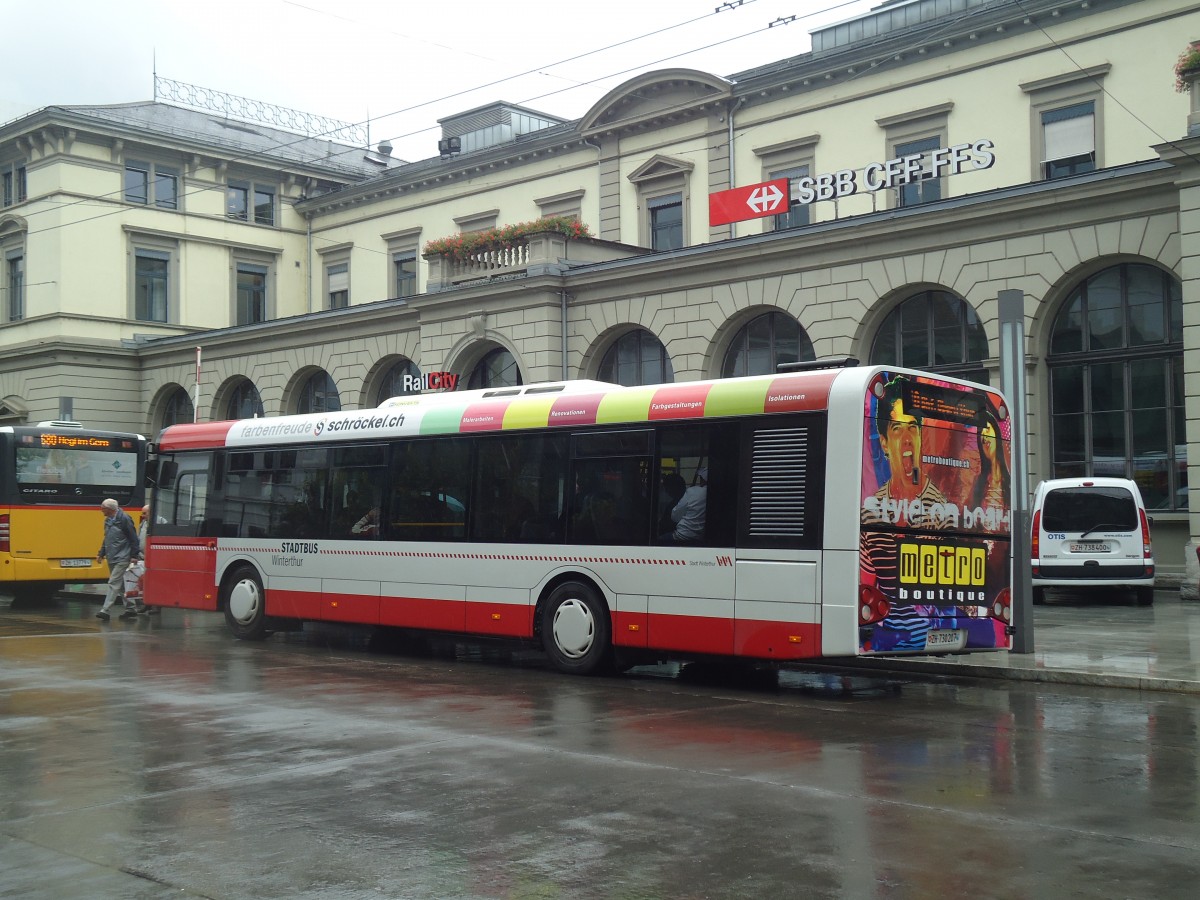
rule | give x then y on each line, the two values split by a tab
777	482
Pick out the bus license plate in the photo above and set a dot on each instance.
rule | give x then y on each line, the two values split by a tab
1089	547
75	563
942	641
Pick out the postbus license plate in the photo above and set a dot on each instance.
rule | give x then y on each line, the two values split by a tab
1090	547
75	563
942	641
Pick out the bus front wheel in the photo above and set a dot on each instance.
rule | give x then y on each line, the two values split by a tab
245	605
576	631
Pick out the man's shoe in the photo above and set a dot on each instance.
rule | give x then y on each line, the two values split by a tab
152	610
128	614
142	610
102	616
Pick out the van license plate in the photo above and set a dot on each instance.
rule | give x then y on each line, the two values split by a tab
1089	547
75	563
946	640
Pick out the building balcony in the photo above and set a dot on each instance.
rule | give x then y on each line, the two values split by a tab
540	253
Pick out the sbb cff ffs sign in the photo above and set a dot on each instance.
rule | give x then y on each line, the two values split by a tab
755	201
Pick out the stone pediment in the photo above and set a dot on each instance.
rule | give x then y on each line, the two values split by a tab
13	410
11	223
655	98
659	166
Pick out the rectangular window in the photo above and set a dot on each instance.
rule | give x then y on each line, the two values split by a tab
251	294
797	213
9	196
151	281
137	182
166	189
520	489
16	287
239	195
1069	137
406	273
22	190
237	202
358	477
430	490
927	187
181	501
147	183
666	222
338	277
264	205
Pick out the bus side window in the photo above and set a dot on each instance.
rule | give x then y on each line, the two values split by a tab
704	457
518	491
182	496
429	481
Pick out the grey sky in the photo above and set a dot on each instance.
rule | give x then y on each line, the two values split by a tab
401	64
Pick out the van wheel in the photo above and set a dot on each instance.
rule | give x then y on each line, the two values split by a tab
576	629
245	605
1039	596
1145	596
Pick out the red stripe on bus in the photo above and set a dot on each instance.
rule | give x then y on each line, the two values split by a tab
793	393
190	437
577	409
485	416
679	401
777	640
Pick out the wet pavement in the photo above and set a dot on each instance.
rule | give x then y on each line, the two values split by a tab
1107	641
160	757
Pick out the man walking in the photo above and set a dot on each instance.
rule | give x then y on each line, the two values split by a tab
119	546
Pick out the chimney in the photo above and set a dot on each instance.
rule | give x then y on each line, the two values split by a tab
385	147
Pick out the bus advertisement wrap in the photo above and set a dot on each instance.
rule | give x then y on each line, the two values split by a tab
935	514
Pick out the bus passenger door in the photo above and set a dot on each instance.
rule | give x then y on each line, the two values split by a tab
181	556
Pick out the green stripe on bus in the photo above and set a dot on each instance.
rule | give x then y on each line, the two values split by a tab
632	405
442	420
528	413
736	398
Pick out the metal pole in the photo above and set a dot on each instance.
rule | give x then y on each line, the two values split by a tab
1012	382
196	405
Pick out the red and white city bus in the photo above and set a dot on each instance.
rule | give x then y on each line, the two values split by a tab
832	511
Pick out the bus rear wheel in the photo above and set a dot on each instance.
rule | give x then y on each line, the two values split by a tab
245	605
576	631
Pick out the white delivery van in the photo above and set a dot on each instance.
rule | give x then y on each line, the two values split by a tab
1091	533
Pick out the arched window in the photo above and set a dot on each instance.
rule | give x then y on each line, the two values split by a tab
393	383
933	330
244	402
319	395
765	342
497	369
1116	383
636	358
178	409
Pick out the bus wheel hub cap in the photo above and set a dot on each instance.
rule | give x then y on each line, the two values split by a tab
573	628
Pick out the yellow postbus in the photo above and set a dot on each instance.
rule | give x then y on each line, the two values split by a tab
53	477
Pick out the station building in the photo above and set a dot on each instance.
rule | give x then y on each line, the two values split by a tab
163	261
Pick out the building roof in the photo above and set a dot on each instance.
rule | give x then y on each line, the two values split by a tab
248	141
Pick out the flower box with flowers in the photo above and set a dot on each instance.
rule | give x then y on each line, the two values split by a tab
502	238
1187	68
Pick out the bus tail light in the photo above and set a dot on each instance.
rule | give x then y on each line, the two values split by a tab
4	535
872	605
1002	606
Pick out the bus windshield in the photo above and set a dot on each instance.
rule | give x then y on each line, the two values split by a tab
75	469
